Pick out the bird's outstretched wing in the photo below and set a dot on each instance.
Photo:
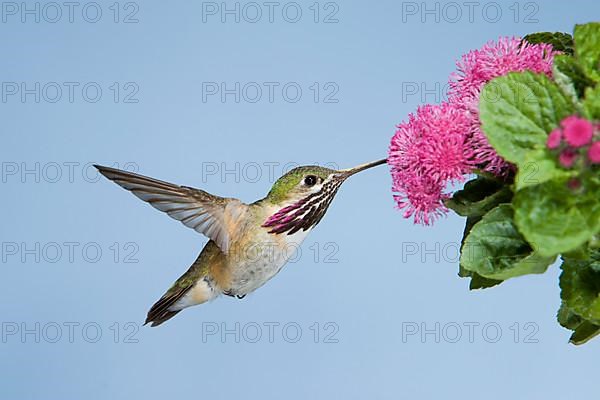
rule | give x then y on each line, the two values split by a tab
214	216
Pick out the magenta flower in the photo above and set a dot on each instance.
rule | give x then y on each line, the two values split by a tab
594	153
567	158
554	139
441	144
426	153
578	131
422	199
478	67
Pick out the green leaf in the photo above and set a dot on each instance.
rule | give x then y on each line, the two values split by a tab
494	248
560	41
580	287
580	253
539	166
554	219
591	103
569	75
477	281
587	48
583	330
479	196
480	282
567	318
518	111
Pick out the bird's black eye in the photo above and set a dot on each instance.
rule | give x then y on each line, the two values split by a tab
310	180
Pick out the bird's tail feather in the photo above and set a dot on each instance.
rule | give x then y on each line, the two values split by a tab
162	310
192	288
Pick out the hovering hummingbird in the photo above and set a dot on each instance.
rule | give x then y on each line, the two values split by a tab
249	243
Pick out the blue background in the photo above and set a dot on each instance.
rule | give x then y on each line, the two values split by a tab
375	274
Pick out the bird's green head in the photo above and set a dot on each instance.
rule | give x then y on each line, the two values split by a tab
304	194
298	183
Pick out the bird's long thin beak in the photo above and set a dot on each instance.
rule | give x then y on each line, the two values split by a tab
351	171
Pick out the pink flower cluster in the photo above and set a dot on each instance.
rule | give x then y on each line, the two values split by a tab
478	67
425	154
574	137
440	144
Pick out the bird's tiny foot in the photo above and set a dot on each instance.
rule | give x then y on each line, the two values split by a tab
231	294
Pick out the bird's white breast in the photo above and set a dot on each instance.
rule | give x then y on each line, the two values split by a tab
263	258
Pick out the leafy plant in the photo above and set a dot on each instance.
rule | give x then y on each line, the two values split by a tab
553	208
530	141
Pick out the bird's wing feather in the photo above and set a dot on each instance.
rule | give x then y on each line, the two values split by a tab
214	216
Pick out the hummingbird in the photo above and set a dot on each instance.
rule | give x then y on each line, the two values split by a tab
248	243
